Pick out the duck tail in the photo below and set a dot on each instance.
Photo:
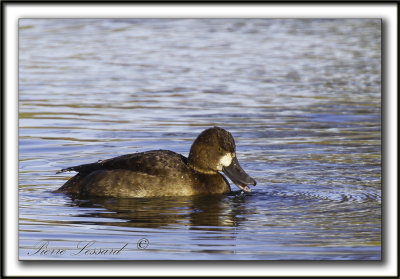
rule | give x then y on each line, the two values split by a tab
65	170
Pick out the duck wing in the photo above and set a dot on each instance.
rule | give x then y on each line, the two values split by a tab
155	162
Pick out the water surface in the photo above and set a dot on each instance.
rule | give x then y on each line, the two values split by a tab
301	97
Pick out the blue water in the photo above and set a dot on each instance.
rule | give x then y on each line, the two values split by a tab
301	97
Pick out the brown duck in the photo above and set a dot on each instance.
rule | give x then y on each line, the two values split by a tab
163	172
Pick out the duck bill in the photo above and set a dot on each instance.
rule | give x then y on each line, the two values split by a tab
238	176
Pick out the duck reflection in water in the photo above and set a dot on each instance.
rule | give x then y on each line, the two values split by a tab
210	212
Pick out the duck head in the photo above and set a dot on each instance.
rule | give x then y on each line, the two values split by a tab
215	150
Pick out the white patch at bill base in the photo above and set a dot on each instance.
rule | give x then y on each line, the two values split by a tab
226	160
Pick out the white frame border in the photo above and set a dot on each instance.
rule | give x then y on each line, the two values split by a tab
14	11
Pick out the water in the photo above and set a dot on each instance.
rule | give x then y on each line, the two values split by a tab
301	97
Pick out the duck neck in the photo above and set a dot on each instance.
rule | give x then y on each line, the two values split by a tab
199	169
199	161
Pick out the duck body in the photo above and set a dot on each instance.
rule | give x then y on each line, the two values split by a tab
162	172
144	174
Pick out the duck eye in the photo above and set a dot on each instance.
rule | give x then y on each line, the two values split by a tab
219	149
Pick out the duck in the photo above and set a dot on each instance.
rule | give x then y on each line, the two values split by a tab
159	173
